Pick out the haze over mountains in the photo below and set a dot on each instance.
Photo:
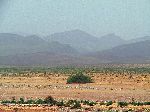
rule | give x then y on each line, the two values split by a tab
74	47
13	44
85	42
127	53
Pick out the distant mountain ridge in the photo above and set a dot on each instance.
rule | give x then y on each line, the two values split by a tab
139	39
11	44
74	47
110	40
128	53
85	42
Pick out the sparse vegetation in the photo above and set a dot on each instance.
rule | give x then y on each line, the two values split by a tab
87	102
146	103
73	104
70	103
21	101
122	104
49	100
53	80
60	103
107	103
39	101
105	69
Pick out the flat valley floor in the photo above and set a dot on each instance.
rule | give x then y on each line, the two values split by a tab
114	87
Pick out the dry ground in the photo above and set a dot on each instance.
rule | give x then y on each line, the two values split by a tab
96	108
113	87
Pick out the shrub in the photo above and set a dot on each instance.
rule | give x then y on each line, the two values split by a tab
121	104
13	100
21	101
61	103
69	103
30	101
49	100
5	101
39	101
146	103
102	103
73	104
92	103
79	78
137	103
76	105
108	103
87	102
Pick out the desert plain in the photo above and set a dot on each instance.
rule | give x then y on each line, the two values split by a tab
111	86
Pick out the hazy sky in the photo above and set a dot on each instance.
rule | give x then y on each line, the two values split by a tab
126	18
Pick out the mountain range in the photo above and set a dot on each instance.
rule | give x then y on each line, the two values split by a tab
73	47
128	53
12	44
85	42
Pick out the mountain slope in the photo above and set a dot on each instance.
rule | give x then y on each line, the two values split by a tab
139	39
110	40
11	44
78	39
45	59
18	50
85	42
128	53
